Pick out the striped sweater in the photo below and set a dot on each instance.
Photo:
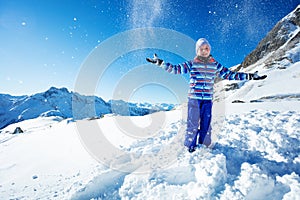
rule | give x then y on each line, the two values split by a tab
202	75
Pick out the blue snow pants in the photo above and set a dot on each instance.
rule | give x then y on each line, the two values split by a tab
198	123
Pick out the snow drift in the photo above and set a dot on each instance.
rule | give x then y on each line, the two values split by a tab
256	157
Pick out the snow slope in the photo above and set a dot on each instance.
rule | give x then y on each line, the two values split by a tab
280	85
256	157
277	55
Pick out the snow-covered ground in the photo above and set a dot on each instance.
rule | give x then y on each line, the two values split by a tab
256	153
256	156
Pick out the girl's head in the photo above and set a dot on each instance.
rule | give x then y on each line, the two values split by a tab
203	48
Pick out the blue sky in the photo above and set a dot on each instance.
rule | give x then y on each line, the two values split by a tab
45	42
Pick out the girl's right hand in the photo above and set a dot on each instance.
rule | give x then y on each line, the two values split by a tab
155	60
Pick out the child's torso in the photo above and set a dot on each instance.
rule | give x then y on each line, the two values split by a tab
202	78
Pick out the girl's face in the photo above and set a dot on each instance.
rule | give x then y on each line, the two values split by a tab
203	50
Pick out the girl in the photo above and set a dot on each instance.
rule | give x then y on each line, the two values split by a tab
203	70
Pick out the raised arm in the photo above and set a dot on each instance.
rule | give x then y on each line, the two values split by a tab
182	68
225	73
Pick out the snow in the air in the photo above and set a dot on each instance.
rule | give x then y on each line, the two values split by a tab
256	154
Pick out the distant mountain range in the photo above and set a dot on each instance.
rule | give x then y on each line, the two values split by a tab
274	54
61	102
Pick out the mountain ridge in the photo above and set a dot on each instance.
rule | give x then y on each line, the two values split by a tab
63	103
279	63
278	43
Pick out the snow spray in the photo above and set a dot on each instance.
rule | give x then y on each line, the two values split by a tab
92	71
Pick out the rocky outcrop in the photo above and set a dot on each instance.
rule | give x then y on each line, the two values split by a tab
282	38
18	130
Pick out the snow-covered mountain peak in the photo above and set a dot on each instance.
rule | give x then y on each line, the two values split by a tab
63	103
53	91
277	56
280	47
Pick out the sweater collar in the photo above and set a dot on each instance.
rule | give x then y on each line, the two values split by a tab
201	59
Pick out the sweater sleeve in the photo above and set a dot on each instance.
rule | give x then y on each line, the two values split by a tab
182	68
225	73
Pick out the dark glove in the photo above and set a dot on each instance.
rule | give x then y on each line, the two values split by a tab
155	60
255	76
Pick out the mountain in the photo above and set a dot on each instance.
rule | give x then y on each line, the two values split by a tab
121	107
281	44
277	55
65	104
256	152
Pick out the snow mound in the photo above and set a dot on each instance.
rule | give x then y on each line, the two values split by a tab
256	157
